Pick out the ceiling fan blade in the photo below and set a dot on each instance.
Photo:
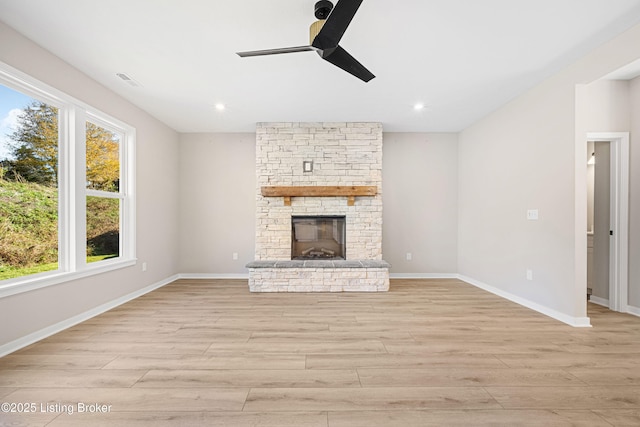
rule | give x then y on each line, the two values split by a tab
276	51
336	24
341	58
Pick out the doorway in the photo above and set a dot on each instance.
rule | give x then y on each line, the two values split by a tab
608	223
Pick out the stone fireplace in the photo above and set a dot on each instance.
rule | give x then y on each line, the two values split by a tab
319	208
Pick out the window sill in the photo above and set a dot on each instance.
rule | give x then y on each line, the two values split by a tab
43	280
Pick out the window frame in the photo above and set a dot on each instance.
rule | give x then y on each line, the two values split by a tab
73	115
124	188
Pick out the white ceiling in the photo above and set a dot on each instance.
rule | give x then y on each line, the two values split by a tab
461	58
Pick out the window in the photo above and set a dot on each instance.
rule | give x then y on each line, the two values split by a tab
29	141
66	187
103	202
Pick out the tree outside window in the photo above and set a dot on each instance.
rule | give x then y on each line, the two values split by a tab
103	193
29	193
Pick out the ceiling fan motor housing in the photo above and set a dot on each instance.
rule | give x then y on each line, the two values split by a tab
314	29
322	9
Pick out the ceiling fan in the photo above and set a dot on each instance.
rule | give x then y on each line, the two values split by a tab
325	34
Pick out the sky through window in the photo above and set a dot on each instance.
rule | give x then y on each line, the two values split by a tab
11	104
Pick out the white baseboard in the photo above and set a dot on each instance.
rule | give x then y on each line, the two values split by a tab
22	342
633	310
228	276
246	276
582	322
423	276
232	276
600	301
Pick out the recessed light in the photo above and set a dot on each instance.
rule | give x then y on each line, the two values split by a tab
418	107
220	107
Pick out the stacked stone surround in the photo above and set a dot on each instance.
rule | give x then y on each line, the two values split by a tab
343	154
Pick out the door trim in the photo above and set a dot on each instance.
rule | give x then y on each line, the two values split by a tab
619	214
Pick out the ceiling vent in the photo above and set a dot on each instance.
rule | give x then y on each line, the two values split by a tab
128	80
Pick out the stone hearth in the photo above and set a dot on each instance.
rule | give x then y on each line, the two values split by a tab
344	157
319	276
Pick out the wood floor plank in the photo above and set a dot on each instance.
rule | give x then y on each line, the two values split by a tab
171	362
119	348
329	337
620	417
460	347
608	376
189	419
567	360
466	377
283	378
348	347
93	378
54	361
358	327
379	398
561	397
274	326
407	361
184	335
6	390
38	419
594	348
139	399
467	418
443	335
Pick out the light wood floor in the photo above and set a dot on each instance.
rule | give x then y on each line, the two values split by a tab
427	353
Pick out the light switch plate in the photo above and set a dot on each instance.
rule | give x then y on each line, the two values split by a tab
532	214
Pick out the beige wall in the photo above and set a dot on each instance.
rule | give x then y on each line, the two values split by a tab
217	199
527	155
420	214
606	106
157	192
217	202
521	158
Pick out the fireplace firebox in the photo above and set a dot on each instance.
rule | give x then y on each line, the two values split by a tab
318	237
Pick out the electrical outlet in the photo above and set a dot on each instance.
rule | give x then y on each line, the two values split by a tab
235	256
409	256
529	274
532	214
144	266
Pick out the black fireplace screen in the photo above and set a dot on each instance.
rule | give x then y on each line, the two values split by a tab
318	237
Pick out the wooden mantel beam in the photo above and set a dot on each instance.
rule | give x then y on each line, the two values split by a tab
319	191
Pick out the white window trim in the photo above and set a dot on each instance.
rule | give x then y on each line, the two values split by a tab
72	190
